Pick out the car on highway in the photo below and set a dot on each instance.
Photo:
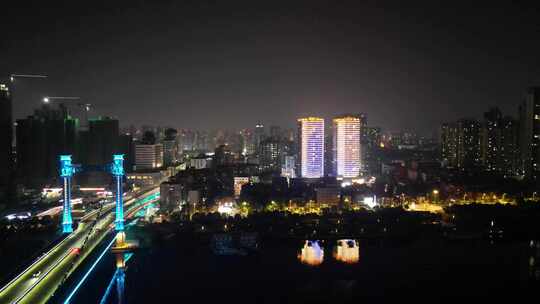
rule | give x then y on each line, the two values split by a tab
36	275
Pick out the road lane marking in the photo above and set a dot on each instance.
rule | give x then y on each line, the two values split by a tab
42	277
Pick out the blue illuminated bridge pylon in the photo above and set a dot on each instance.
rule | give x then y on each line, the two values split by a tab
117	170
66	172
68	169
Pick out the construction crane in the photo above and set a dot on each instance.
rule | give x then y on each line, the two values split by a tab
12	77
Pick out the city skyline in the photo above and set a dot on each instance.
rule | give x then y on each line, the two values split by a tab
274	63
315	151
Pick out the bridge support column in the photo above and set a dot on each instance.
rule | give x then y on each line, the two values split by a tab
119	222
66	172
117	171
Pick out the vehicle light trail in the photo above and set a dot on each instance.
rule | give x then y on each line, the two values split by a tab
42	277
41	292
31	265
74	291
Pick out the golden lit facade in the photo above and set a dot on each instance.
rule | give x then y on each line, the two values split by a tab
311	139
239	181
347	146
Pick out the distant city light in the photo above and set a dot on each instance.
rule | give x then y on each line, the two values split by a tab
346	184
227	208
19	216
359	181
370	201
92	189
51	192
74	201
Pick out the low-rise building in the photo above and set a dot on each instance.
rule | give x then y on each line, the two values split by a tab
328	195
239	181
145	179
170	196
200	162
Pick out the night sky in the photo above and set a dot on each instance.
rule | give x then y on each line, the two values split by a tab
206	65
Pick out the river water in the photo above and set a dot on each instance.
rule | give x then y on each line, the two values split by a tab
182	269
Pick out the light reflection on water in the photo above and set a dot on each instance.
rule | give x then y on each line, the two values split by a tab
347	251
118	279
534	258
311	253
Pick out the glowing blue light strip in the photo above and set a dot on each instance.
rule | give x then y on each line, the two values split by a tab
67	221
119	222
68	299
113	279
128	256
109	287
78	286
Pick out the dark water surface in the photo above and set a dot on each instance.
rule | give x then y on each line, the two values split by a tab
183	270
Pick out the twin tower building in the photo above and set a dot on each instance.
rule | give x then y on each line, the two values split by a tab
344	146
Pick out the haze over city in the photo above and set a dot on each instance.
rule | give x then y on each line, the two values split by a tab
175	63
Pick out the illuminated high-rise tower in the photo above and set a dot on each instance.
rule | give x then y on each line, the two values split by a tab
311	146
258	136
347	146
529	121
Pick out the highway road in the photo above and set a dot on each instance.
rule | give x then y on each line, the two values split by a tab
37	283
